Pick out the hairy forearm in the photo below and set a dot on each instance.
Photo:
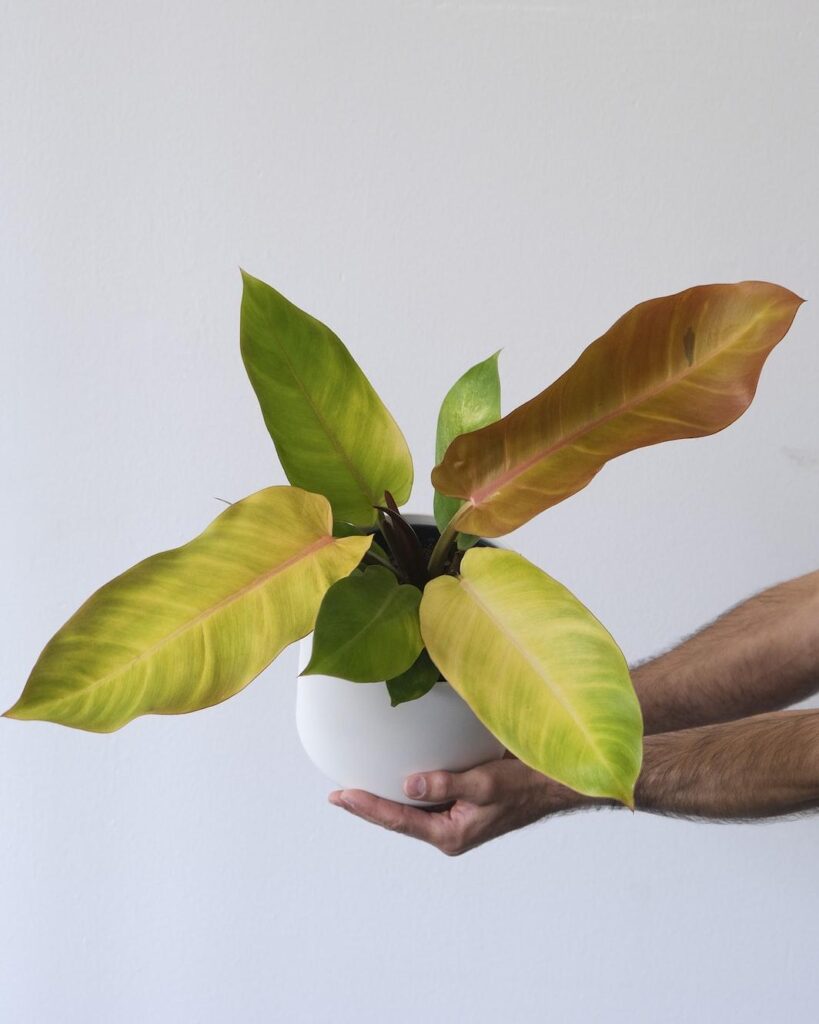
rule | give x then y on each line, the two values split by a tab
760	767
758	657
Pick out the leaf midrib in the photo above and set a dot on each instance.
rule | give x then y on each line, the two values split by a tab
259	581
323	423
503	479
560	697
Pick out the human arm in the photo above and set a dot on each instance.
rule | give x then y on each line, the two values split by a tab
760	767
761	656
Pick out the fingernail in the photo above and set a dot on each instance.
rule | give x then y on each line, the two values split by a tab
345	801
415	786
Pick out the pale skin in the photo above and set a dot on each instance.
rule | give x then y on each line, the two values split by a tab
718	745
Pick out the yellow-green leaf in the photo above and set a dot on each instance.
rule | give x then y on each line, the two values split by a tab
190	627
332	432
684	365
538	670
367	628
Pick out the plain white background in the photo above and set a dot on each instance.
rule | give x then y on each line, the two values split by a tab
435	180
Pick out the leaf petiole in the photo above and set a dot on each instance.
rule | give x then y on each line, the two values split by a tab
373	558
443	546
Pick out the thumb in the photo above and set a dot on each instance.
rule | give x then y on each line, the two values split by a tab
475	786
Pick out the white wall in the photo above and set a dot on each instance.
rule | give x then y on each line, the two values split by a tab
435	180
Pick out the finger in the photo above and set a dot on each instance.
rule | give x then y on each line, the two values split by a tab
409	821
476	786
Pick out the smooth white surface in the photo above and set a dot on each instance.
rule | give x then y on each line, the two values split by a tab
359	741
435	180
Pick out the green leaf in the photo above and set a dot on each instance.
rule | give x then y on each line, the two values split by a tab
350	530
472	402
367	628
419	679
538	670
331	430
190	627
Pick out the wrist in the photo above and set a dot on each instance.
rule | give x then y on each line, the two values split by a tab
559	799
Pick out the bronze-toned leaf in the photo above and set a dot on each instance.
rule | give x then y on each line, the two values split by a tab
684	365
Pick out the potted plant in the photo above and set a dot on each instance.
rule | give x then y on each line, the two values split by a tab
407	602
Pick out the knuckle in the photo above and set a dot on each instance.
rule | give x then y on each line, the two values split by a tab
438	786
488	788
479	787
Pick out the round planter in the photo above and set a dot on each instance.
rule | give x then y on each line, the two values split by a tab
353	735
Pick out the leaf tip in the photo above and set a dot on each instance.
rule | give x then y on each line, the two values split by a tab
624	794
17	713
793	300
14	711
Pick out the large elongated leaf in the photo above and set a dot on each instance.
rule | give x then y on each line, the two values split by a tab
472	402
190	627
332	432
367	628
538	670
684	365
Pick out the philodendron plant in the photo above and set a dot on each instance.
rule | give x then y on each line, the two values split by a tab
190	627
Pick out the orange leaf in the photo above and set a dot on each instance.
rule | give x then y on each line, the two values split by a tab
683	365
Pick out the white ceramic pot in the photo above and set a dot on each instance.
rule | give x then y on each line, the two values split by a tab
352	733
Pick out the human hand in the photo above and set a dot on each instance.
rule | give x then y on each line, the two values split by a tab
478	805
